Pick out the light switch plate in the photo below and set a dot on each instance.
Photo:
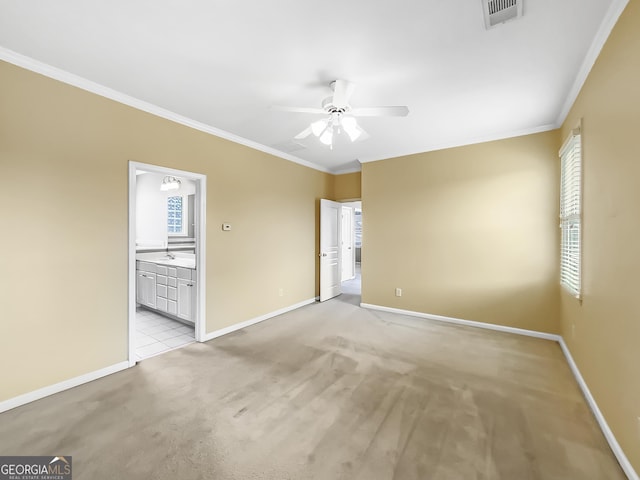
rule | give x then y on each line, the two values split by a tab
226	227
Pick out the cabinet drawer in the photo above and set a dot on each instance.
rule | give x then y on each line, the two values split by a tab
172	281
194	275
161	304
172	271
172	293
184	273
161	269
161	279
172	307
147	275
146	266
161	291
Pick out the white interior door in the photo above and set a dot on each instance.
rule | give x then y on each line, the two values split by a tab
330	269
348	258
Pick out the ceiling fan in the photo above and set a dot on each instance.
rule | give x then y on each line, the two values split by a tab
340	115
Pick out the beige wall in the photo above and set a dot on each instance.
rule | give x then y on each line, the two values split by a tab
64	163
347	186
607	323
467	232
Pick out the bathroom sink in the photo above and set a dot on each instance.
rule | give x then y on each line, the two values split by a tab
178	262
184	260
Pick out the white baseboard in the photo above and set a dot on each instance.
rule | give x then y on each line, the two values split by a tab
608	434
604	426
468	323
253	321
611	439
60	387
88	377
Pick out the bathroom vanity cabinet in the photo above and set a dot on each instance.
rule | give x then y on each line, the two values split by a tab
146	288
167	289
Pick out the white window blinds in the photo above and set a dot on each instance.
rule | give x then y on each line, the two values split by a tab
570	213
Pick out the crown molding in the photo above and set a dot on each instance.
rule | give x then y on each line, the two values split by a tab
472	141
42	68
63	76
609	21
346	170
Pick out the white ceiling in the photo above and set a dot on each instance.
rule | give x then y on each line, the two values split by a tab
219	65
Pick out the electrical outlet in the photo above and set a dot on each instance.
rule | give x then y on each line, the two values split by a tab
280	292
398	292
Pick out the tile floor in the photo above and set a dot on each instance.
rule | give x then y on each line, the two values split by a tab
156	334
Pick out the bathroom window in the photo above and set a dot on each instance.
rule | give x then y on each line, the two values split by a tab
176	215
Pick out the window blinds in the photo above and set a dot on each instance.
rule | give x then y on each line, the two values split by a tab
570	213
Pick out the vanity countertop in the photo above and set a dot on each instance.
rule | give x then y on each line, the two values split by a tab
180	260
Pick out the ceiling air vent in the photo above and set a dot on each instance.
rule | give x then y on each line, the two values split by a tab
500	11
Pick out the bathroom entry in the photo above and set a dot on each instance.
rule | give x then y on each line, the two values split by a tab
340	243
166	259
351	242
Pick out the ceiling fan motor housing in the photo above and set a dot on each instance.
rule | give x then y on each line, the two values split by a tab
329	107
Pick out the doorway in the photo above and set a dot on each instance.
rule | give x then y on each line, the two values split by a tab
340	243
167	260
352	248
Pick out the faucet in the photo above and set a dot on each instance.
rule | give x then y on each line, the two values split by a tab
170	255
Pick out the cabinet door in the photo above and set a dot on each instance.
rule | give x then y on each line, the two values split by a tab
172	293
172	307
186	300
146	289
161	304
161	290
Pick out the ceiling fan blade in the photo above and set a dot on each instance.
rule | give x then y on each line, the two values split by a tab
298	109
395	111
318	127
342	91
303	134
363	134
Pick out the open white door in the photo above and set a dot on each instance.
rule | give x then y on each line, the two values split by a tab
330	269
347	241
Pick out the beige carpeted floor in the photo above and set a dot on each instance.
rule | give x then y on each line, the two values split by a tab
329	391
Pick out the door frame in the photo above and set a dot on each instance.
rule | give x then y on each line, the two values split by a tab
326	256
200	236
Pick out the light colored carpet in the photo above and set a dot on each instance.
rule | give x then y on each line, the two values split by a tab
329	391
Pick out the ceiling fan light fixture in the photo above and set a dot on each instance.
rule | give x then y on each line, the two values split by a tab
318	127
351	127
354	135
327	137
